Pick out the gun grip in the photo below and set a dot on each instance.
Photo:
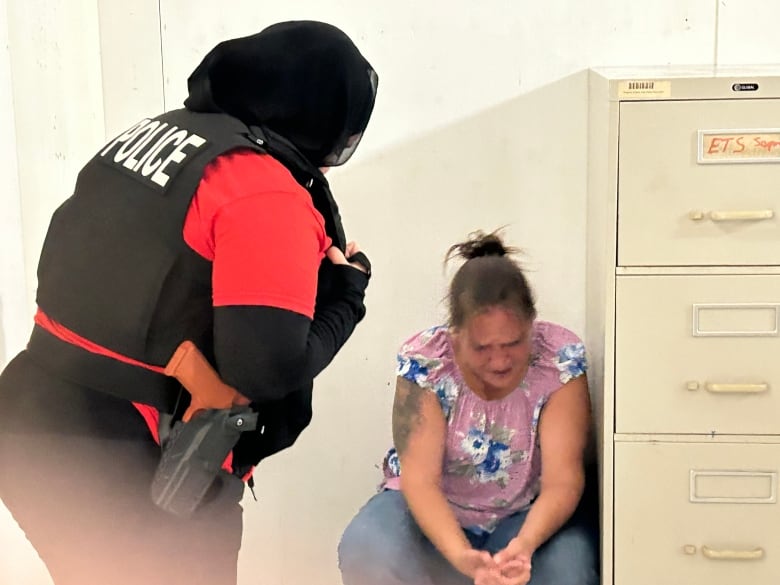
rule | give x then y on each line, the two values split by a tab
199	378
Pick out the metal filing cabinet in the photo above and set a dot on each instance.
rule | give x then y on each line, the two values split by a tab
683	281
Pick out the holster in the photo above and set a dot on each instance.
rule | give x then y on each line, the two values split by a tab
193	454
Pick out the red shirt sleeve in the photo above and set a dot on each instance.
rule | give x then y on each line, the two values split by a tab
261	231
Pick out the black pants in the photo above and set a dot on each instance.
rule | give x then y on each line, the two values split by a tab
75	471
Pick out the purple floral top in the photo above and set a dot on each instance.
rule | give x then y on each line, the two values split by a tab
492	463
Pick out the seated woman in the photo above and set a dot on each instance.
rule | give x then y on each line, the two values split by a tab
490	424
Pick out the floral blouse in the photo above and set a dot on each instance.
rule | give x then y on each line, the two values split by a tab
492	462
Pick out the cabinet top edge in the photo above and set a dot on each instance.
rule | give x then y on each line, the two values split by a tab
650	83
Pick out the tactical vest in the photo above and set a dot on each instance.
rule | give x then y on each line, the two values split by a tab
114	266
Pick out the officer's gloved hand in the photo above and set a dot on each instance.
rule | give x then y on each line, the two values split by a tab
351	256
360	260
343	277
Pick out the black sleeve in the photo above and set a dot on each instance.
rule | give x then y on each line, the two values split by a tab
267	352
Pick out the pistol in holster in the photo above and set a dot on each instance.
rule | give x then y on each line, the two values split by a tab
195	448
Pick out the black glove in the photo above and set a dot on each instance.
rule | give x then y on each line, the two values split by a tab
363	260
336	280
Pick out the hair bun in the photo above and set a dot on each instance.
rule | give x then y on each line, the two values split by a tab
480	244
489	245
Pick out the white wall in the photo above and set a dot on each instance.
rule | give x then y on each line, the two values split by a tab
18	563
14	324
480	122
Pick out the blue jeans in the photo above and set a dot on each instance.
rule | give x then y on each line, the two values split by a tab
384	546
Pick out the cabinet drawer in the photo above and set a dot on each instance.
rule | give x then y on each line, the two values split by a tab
690	513
661	183
697	354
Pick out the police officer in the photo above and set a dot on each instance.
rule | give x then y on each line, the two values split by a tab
213	223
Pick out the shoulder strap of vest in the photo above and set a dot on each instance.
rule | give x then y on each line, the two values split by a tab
306	175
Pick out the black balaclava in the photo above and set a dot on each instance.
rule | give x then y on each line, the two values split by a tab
304	91
303	81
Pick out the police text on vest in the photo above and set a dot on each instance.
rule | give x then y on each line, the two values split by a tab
150	147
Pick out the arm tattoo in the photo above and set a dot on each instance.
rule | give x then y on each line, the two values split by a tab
407	414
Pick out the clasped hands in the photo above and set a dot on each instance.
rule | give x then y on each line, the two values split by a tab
511	566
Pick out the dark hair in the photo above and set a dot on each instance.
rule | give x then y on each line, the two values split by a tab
488	278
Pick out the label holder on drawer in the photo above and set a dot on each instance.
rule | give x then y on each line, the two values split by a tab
696	474
738	146
772	331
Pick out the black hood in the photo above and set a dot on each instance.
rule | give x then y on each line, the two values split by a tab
304	81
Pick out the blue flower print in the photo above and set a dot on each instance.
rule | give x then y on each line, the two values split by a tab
476	444
537	414
571	361
447	393
392	464
491	458
494	461
412	370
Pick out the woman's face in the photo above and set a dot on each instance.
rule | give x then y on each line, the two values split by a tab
493	349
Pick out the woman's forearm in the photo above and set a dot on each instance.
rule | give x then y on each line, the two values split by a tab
549	513
435	518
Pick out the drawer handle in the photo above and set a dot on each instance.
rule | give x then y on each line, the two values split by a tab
745	215
716	388
732	555
741	215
